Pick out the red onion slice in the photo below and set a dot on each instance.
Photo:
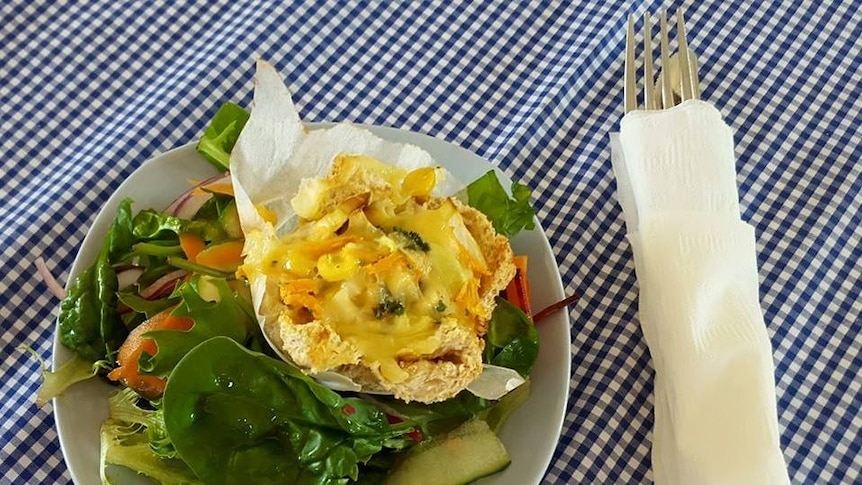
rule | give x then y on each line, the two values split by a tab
53	285
128	276
188	204
163	285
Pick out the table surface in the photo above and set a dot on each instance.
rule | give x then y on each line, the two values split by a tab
89	91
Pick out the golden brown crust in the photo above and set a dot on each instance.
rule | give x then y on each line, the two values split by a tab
315	346
433	378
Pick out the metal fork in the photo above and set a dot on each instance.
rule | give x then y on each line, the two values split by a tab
669	90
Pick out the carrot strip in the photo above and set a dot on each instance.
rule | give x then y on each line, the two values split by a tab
192	245
136	344
518	290
226	256
219	188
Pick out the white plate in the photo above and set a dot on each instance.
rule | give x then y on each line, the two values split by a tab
530	435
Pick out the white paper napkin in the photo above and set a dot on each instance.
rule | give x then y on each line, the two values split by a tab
715	407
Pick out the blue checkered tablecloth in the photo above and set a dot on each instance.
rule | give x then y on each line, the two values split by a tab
90	90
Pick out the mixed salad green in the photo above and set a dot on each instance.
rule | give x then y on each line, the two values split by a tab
201	397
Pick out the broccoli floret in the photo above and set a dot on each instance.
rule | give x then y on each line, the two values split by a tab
388	305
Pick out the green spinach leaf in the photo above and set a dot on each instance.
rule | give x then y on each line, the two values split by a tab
237	416
439	417
512	340
88	321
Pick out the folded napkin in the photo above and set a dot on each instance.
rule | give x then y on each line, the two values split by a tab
715	408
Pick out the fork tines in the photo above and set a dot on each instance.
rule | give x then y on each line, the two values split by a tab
673	85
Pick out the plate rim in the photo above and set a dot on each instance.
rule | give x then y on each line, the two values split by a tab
426	142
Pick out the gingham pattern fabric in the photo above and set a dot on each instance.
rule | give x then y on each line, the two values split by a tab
90	90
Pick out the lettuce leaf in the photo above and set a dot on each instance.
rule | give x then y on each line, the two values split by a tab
508	215
228	317
54	383
149	225
135	437
125	445
147	307
221	135
237	416
123	407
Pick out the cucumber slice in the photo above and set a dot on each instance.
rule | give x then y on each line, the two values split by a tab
229	220
467	453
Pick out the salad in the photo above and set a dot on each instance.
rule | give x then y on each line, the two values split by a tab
204	398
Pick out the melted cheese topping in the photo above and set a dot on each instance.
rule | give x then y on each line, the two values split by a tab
383	268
